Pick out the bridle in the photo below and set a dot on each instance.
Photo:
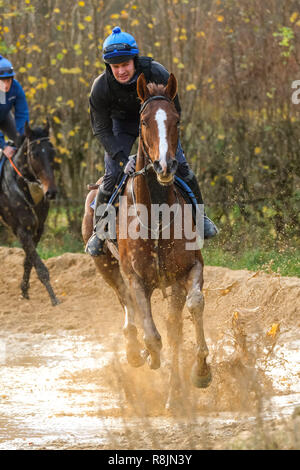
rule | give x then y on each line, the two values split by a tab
144	170
29	144
144	105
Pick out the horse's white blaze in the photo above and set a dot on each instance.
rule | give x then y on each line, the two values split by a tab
161	117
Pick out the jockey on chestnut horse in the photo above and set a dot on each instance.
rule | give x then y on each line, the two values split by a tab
115	118
143	264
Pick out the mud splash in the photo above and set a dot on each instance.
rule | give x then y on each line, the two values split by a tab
65	382
51	397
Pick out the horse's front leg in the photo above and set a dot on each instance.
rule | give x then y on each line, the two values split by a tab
33	258
174	332
201	374
152	339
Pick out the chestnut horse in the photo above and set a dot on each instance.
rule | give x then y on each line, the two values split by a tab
26	186
155	261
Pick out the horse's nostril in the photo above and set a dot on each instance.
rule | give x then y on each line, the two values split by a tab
157	166
51	194
173	166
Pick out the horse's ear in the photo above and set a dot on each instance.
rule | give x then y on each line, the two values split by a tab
27	130
142	89
171	88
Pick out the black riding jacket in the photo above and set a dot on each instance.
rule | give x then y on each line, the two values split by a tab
110	100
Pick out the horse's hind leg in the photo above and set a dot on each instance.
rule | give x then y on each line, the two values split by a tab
201	375
41	269
26	276
174	332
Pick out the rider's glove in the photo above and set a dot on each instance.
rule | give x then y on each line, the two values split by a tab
130	167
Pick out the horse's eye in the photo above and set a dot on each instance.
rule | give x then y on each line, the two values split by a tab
144	123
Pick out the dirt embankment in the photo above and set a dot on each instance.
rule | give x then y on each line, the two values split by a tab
88	304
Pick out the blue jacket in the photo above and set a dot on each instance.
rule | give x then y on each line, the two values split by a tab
14	98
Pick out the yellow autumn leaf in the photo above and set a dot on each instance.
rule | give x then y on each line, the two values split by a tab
56	119
71	103
81	4
293	17
88	19
220	18
56	10
190	87
22	70
257	150
32	79
229	178
273	330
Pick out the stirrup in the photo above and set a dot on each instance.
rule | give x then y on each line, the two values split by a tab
210	229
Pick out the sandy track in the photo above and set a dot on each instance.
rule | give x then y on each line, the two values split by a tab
250	318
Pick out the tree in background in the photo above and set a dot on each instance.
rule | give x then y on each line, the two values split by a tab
235	61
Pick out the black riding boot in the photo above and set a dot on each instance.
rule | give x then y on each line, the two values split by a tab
94	246
210	230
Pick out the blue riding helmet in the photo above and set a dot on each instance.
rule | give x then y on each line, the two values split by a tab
119	47
6	68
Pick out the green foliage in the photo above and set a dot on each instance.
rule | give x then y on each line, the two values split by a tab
287	36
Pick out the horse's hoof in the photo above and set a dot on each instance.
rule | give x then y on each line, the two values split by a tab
135	358
55	302
200	381
25	296
154	361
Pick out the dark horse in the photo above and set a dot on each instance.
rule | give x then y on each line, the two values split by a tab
156	262
25	210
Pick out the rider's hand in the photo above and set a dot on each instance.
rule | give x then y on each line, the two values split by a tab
130	167
9	151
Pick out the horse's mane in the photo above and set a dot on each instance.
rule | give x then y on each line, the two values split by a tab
155	89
